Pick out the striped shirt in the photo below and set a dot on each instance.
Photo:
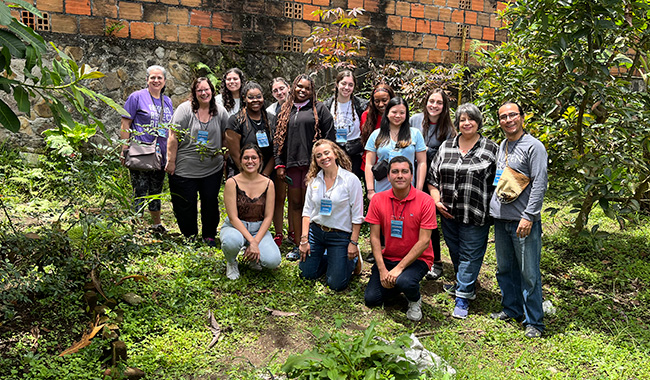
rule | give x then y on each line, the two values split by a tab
465	182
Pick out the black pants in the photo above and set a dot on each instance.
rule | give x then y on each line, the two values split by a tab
408	283
435	244
184	197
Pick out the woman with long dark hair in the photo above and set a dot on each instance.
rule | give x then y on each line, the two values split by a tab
195	162
371	118
301	122
229	96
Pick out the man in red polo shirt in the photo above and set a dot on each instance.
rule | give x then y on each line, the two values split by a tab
405	216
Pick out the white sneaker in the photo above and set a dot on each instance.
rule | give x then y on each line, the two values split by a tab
255	265
414	312
232	270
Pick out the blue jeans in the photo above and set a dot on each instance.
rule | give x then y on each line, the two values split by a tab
232	241
518	271
334	262
408	282
467	244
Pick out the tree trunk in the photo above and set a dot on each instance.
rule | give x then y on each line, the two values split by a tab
583	215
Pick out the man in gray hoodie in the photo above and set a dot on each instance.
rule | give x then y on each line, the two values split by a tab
518	226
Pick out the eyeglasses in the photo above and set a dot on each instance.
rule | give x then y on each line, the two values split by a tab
511	115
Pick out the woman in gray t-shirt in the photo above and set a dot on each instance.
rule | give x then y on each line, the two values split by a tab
195	160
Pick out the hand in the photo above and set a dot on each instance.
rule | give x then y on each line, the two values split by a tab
252	253
524	228
305	250
123	155
353	251
170	167
384	278
442	210
281	173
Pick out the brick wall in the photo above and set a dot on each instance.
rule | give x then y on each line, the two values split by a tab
405	30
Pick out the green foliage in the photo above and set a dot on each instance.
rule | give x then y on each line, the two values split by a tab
567	63
340	356
337	45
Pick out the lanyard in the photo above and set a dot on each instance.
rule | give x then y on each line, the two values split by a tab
392	205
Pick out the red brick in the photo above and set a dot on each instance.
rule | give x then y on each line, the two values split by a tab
495	22
178	16
415	40
284	27
440	3
455	43
470	17
422	26
449	57
421	55
402	8
254	6
483	19
501	35
229	37
154	13
392	53
169	2
477	5
77	7
371	5
355	4
406	54
394	22
188	34
400	39
91	26
190	3
444	14
476	32
273	9
221	20
389	8
306	13
210	36
451	29
325	3
408	24
442	43
437	27
105	8
200	18
457	16
435	56
417	10
166	32
63	23
130	11
50	5
453	4
430	12
364	19
142	30
121	32
501	6
301	29
429	41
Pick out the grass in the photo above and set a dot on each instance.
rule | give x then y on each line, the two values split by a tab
600	288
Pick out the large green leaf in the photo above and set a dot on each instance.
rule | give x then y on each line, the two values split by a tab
8	118
28	7
15	46
5	14
28	35
111	103
22	99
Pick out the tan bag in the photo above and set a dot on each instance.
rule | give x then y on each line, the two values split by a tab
511	184
143	156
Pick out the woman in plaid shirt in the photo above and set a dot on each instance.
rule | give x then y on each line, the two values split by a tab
461	182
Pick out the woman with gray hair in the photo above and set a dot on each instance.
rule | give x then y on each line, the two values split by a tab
461	182
149	110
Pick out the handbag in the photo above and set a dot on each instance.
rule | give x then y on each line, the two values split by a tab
511	183
143	156
380	170
353	147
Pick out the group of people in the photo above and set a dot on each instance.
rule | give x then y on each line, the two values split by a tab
318	153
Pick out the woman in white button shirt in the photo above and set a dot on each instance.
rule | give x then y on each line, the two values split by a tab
331	217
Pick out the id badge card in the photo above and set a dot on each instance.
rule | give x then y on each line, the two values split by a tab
325	207
262	139
396	228
341	135
202	137
162	132
497	176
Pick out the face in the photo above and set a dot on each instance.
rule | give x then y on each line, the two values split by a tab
396	115
346	86
233	82
467	126
400	175
250	161
203	92
156	80
280	91
435	105
380	99
511	120
303	91
254	100
325	156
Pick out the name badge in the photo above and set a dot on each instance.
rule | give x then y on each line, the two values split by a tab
396	228
162	132
325	207
497	176
202	137
341	135
262	139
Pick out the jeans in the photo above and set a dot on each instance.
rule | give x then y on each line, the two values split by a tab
467	244
232	241
518	273
408	282
184	196
335	263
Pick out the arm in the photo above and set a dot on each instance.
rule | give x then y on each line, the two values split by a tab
304	247
253	251
423	242
172	149
125	134
230	199
353	250
371	157
537	160
421	159
233	143
440	207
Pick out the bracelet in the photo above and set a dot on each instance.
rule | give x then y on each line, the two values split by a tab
279	166
304	242
356	243
370	189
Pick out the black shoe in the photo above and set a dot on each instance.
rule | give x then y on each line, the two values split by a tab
501	316
435	272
